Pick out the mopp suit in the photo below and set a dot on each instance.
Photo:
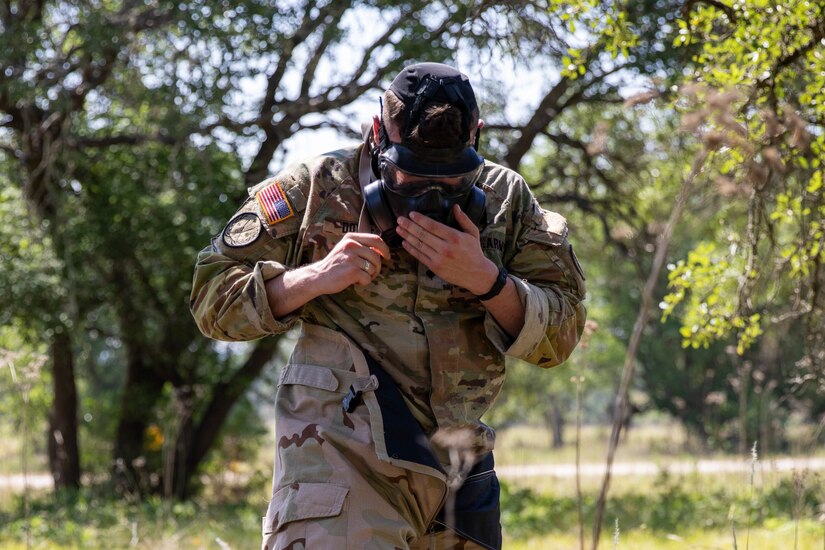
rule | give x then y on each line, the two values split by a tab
378	369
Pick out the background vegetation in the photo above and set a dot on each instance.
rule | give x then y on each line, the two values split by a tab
678	134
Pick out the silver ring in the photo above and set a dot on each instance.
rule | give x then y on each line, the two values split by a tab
367	266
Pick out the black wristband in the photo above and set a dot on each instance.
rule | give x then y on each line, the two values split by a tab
501	280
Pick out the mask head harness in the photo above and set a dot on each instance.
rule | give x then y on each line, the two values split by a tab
428	180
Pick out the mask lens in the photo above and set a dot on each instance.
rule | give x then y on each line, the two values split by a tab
414	185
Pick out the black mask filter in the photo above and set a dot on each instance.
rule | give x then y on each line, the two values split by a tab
428	180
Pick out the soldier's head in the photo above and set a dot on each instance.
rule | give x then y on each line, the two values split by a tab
426	147
431	109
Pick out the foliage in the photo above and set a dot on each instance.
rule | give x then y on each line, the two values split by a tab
743	271
25	393
95	518
131	132
674	506
29	272
708	316
767	137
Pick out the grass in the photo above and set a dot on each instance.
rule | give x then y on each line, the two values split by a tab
677	515
649	441
12	449
773	510
93	519
776	536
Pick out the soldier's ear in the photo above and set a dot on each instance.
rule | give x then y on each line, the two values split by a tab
477	134
376	127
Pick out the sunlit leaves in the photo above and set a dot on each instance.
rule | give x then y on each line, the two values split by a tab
703	283
768	146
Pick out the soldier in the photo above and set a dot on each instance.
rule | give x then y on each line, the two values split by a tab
414	266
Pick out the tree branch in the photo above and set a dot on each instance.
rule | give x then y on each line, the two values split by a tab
9	150
329	33
103	142
275	134
225	395
786	61
662	246
715	3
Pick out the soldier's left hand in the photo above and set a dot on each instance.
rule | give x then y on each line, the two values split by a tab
453	255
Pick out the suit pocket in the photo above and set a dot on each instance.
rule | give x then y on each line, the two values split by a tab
302	501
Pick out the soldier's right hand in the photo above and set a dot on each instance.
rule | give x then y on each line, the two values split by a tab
354	260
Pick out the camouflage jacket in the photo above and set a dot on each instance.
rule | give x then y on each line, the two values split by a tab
436	340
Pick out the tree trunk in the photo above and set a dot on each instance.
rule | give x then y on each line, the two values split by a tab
141	392
554	418
64	455
180	466
744	388
195	440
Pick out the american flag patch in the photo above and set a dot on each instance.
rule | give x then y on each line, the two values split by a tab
274	203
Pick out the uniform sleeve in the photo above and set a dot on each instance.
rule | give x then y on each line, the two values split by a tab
228	299
550	284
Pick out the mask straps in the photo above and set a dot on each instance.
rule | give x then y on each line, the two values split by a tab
383	136
383	141
428	90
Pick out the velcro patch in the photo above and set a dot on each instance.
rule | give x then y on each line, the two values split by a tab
242	230
553	222
274	204
339	227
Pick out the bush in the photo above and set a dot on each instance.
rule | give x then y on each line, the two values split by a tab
675	505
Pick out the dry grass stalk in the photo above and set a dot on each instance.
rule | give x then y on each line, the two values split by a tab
663	243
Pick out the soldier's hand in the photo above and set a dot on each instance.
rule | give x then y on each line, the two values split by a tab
453	255
355	260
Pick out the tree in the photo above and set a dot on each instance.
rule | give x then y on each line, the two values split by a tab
125	124
117	117
762	271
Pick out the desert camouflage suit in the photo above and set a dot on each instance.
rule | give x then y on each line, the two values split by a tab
378	370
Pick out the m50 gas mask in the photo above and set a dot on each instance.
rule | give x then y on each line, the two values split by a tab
427	180
424	188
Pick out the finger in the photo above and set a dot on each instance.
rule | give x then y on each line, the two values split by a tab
364	265
417	253
371	241
419	239
363	278
382	254
363	271
430	226
369	261
464	221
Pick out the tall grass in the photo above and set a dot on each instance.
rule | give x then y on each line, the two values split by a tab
754	459
653	512
30	372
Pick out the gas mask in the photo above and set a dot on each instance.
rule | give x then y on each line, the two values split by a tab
409	184
418	178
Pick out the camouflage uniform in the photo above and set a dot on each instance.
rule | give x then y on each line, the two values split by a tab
365	474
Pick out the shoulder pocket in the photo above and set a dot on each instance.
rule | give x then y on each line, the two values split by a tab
299	501
547	228
547	232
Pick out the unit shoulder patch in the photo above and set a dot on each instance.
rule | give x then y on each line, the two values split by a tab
274	204
555	223
242	230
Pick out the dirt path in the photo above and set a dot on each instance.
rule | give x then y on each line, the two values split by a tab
16	482
652	468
